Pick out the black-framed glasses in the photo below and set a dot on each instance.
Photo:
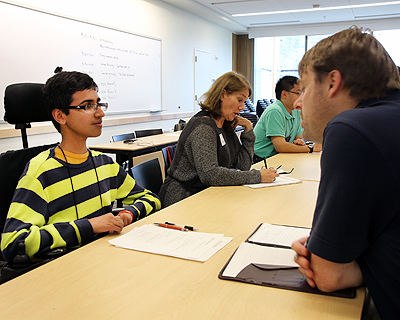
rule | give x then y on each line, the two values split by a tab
89	108
278	167
298	93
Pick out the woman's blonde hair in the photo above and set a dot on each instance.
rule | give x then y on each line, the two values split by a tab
230	82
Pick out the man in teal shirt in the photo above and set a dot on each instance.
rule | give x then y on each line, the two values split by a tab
279	129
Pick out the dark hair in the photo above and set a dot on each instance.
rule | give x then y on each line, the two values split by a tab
285	83
59	89
230	82
367	70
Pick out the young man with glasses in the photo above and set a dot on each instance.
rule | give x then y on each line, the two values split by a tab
65	195
278	129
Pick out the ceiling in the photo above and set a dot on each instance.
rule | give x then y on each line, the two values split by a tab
301	12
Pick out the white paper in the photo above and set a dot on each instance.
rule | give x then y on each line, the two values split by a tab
186	245
279	181
248	253
278	235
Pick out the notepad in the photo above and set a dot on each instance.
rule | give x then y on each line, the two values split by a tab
277	235
279	181
266	259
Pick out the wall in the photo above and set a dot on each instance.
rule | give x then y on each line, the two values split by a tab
180	32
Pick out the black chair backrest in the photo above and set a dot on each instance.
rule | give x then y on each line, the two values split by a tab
148	175
147	132
125	136
12	164
249	106
23	104
252	117
168	155
261	106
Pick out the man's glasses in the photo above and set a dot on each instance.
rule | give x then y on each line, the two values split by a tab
298	93
89	108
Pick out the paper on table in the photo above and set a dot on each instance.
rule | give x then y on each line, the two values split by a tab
278	235
216	247
186	245
248	253
278	182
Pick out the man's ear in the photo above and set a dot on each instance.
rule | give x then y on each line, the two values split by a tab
59	116
284	95
335	82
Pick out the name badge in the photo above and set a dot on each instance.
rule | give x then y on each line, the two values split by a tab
221	137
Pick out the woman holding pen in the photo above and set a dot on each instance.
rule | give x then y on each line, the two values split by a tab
209	152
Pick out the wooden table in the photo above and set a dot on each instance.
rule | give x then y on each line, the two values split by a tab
99	281
306	165
141	146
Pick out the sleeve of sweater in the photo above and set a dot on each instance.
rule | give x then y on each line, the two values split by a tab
28	222
244	158
141	201
202	143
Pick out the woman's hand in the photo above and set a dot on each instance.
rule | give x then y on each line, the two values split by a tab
243	122
268	175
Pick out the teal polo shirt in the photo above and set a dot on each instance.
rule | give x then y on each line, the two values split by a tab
276	121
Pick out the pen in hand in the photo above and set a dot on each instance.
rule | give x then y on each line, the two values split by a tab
164	225
185	227
265	163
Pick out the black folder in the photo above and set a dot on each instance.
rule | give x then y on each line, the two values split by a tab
280	277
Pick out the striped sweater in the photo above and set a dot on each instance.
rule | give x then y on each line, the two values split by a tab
43	213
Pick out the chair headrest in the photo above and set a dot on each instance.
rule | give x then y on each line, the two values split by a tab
24	103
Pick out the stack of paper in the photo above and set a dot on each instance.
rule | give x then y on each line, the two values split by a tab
186	245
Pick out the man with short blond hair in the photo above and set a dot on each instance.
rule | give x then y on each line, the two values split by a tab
350	102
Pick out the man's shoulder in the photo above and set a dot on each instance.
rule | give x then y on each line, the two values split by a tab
42	162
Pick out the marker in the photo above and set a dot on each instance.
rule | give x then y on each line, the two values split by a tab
265	163
163	225
180	226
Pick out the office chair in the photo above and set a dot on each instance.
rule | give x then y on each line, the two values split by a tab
125	136
261	106
126	162
168	155
252	117
23	104
148	175
180	125
147	132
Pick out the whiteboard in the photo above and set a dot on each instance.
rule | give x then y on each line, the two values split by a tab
125	66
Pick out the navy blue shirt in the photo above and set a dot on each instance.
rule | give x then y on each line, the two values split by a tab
357	216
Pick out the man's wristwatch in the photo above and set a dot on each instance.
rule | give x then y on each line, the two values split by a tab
311	147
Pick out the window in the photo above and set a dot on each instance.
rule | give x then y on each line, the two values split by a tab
388	38
276	57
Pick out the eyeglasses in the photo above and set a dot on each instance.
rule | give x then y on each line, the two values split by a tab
89	108
298	93
281	172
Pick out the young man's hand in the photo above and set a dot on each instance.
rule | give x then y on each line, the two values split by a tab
107	223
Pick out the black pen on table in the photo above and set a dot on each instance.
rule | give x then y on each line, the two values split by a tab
178	225
265	163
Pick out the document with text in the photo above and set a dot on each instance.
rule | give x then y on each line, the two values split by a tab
272	234
186	245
